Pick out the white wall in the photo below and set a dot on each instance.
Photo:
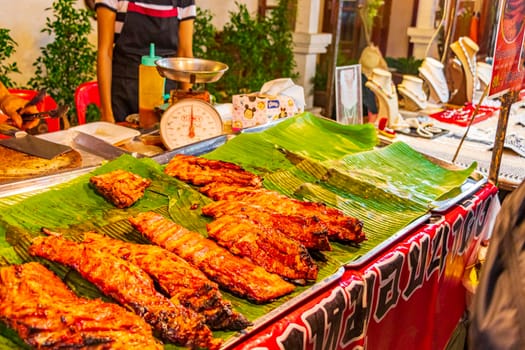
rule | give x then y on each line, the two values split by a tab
397	45
221	9
26	18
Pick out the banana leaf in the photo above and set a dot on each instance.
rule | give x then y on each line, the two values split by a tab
304	135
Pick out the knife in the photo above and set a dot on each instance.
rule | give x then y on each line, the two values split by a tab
99	147
37	98
23	142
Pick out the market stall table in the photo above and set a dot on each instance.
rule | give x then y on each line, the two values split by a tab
413	275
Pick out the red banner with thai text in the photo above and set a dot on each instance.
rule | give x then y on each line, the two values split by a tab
411	296
508	67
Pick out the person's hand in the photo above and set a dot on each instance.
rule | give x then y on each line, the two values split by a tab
14	107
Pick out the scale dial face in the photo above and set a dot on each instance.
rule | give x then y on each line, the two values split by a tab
188	121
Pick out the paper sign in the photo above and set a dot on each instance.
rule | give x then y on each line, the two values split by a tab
508	72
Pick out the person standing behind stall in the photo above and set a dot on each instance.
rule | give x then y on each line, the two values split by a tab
125	31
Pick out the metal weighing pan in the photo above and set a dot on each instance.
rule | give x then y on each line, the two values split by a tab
191	70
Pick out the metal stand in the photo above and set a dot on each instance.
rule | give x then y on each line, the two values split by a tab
506	102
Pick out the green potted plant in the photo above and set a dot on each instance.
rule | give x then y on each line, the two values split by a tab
7	49
256	49
70	59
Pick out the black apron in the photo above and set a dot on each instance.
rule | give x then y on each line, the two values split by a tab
138	31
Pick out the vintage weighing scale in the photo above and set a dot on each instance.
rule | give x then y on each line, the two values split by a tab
190	116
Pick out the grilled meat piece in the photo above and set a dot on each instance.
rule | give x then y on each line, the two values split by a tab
225	191
177	278
131	287
47	314
340	226
201	171
233	273
308	230
120	187
266	247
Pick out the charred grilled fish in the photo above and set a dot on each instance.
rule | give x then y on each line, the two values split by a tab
340	226
308	230
231	272
264	246
201	171
177	278
47	314
131	287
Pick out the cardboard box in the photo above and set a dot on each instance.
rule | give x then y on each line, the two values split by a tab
258	109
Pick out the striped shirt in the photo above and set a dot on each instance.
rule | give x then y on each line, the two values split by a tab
182	9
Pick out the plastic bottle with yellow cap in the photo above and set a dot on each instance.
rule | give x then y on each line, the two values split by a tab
151	90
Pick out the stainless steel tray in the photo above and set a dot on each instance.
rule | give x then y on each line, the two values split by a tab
195	149
202	147
471	185
40	184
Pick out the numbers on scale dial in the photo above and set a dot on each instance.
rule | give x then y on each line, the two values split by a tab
188	121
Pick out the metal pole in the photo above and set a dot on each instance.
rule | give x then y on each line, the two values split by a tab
506	103
336	35
472	117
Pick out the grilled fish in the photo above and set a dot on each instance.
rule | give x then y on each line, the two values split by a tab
131	287
47	314
264	246
177	278
120	187
201	171
308	230
340	226
233	273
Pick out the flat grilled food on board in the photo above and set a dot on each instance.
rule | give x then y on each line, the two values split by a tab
308	230
231	272
131	287
264	246
340	227
120	187
47	314
16	165
201	171
176	278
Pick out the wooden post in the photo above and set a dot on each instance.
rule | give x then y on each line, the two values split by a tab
450	28
334	49
506	103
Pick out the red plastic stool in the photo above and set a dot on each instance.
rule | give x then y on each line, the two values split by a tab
86	94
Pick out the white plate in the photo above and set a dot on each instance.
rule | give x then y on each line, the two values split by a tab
109	132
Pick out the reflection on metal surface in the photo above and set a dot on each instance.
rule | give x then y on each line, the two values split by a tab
195	149
40	184
191	70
